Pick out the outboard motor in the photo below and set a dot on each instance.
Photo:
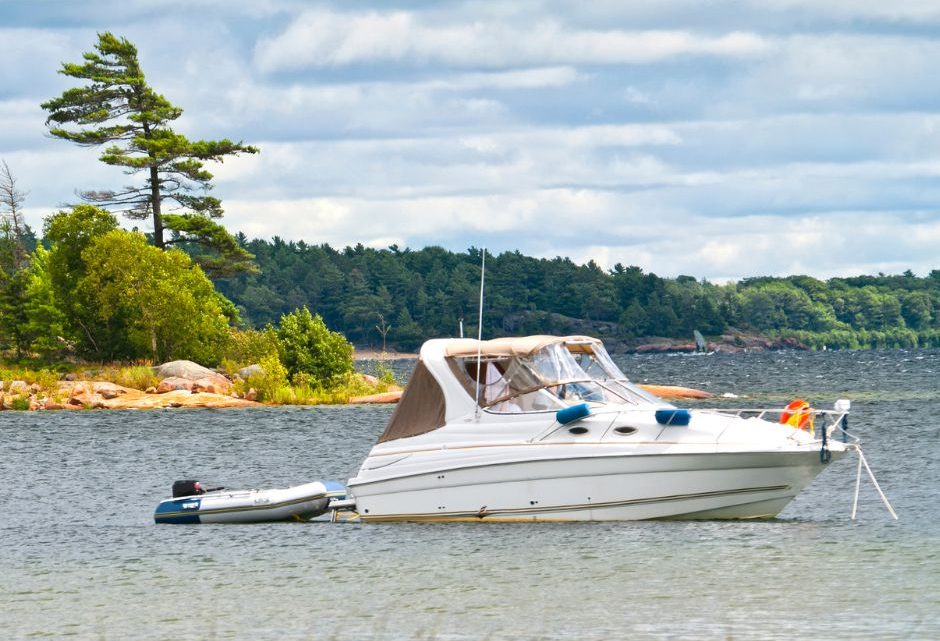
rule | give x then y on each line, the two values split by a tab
187	488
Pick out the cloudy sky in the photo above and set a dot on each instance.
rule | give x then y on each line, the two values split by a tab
717	139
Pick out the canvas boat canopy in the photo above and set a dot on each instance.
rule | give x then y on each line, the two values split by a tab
421	408
508	375
517	346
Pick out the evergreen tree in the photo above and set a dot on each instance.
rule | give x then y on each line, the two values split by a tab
119	109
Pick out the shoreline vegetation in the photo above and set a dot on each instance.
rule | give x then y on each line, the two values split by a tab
177	384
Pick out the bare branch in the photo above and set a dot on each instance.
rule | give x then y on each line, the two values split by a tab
11	208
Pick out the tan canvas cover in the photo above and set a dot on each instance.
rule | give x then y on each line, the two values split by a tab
515	346
421	408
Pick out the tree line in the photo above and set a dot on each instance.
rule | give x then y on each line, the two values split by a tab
404	296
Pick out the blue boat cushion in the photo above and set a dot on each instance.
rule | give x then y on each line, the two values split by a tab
673	417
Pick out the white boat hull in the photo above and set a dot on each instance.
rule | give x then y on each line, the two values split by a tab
738	485
299	503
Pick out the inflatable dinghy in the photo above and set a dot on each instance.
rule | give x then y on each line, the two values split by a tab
193	504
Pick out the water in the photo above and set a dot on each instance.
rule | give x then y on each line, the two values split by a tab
80	556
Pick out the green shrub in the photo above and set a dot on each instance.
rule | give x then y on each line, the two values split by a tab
20	403
47	380
271	382
307	345
247	347
385	374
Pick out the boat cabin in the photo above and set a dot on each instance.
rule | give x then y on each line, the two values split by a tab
454	377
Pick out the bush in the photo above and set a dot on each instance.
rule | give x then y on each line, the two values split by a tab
247	347
385	374
271	382
307	345
20	403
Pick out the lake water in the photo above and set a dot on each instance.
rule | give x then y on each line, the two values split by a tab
80	556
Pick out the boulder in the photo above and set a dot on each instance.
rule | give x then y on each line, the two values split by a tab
251	370
174	383
150	390
251	395
16	387
183	369
200	378
213	385
108	390
52	404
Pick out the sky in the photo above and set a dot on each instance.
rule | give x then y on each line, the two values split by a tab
715	139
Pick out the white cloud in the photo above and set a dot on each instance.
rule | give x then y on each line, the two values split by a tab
897	10
21	120
326	38
685	137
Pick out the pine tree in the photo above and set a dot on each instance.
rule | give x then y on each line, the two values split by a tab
119	109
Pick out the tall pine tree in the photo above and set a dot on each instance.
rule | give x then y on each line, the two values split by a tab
119	109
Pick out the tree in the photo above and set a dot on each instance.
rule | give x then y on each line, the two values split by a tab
309	347
14	228
46	324
170	308
119	109
14	263
69	233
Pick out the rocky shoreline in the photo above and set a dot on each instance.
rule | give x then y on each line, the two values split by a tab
177	384
104	395
733	342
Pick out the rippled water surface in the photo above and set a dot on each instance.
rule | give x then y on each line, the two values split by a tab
80	556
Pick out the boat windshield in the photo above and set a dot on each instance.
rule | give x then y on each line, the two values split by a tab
593	359
548	379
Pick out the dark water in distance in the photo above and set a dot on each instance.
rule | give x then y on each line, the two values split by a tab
81	558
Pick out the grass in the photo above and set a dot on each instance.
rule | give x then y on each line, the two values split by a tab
134	376
47	380
278	391
138	376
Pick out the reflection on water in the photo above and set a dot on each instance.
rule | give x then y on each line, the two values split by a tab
80	556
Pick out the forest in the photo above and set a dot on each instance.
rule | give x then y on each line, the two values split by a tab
400	297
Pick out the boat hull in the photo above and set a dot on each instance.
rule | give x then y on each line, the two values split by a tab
299	503
734	485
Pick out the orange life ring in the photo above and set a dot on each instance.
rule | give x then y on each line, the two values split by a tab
798	414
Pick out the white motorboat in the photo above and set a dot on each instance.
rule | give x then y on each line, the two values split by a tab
191	504
547	428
